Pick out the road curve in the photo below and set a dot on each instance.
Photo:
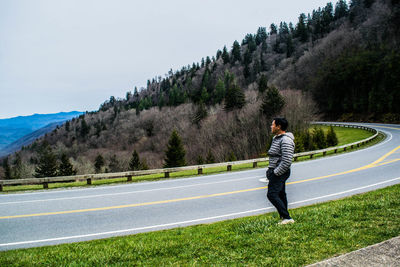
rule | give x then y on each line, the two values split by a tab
72	215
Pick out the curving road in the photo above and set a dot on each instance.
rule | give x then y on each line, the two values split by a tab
72	215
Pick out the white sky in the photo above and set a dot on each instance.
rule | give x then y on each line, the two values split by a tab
64	55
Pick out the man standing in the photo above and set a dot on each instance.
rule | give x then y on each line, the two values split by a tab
280	158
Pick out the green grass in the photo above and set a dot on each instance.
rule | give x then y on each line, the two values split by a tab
321	231
345	136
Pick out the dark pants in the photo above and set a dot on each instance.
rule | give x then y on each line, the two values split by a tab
276	192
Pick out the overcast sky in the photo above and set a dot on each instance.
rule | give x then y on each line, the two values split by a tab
65	55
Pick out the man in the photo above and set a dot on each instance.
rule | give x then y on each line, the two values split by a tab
280	158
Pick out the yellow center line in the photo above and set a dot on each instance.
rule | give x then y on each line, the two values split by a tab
371	165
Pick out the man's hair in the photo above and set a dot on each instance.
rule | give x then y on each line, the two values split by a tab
281	122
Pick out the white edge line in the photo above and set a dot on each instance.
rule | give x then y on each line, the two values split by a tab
134	229
189	221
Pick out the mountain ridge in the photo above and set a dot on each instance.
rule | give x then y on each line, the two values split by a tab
12	129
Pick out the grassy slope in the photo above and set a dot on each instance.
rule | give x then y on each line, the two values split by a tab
321	231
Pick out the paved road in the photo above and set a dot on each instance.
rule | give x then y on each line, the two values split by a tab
71	215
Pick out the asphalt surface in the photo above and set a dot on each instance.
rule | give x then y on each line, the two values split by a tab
72	215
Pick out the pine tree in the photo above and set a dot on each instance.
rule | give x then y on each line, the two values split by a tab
261	35
199	160
231	157
331	138
113	165
17	168
236	52
263	84
210	157
301	28
66	168
200	113
225	55
98	163
84	128
134	163
341	9
175	153
319	138
234	98
67	126
7	169
219	92
47	163
273	29
272	102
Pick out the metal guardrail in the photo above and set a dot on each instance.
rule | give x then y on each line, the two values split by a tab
129	174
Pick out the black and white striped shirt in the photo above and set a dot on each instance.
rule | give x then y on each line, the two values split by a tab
281	153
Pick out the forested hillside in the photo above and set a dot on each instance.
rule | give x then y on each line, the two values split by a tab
337	62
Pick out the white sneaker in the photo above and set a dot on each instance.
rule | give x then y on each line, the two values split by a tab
286	221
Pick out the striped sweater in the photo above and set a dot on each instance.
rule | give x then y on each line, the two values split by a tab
281	153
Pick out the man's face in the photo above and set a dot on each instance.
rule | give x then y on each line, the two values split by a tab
274	128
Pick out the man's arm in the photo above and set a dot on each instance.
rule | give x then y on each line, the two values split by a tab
287	156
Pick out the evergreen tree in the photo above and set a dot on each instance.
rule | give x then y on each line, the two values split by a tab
234	98
236	52
67	126
301	28
113	165
210	157
98	163
134	163
341	9
261	35
17	168
225	55
289	46
47	163
84	128
66	168
272	102
331	138
308	142
231	157
200	160
319	138
263	84
273	29
200	113
7	169
175	153
219	92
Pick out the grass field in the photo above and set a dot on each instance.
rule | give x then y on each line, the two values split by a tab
321	231
345	136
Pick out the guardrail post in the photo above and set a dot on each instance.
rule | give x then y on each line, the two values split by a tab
129	178
89	181
311	156
295	158
1	187
45	185
344	149
324	153
229	168
255	164
200	171
166	174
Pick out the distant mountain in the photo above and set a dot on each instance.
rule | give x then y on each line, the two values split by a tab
28	139
13	129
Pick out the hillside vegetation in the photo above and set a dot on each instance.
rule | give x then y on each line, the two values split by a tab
337	62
